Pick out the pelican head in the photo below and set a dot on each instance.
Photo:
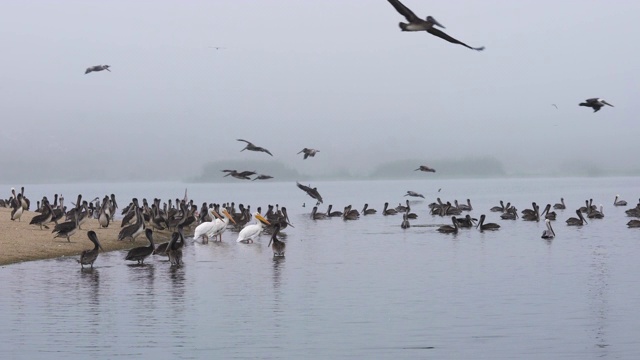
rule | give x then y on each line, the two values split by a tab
226	213
435	22
262	219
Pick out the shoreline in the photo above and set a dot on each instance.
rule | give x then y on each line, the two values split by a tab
20	242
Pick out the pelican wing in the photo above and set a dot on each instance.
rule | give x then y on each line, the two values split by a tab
404	11
442	35
265	150
248	142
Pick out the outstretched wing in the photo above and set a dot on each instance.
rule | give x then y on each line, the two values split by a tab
442	35
303	187
248	142
404	11
265	150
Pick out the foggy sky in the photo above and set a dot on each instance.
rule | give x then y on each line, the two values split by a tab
335	75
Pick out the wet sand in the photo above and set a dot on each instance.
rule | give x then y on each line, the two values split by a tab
20	241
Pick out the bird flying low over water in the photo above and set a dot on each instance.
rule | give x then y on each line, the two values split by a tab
244	175
262	177
595	103
425	168
308	152
311	192
97	68
414	194
252	147
428	25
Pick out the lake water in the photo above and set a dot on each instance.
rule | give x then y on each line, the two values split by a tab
356	289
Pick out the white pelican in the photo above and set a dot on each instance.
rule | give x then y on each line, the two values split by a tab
206	229
250	232
221	225
549	233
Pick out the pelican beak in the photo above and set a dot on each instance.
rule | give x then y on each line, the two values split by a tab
606	103
261	218
224	211
434	22
100	246
270	241
215	213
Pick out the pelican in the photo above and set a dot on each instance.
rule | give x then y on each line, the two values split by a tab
487	226
548	214
531	214
243	175
277	246
263	177
350	214
16	204
250	232
387	211
405	221
498	208
549	233
89	256
428	25
97	68
414	194
596	214
580	220
43	218
308	152
67	228
560	205
448	229
174	248
333	213
617	202
633	223
425	168
140	253
214	228
252	147
311	192
466	222
367	211
132	231
315	215
464	207
206	229
595	103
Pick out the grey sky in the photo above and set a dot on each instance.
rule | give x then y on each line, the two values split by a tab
336	75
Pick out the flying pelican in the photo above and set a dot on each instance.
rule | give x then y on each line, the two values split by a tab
311	192
308	152
428	25
367	211
425	168
89	256
554	105
560	205
617	202
487	226
448	229
262	177
277	246
97	68
252	147
580	220
414	194
244	175
595	103
250	232
140	253
549	233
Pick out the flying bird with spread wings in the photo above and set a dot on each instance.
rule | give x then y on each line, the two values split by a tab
425	168
428	25
252	147
97	68
308	152
242	175
595	103
311	192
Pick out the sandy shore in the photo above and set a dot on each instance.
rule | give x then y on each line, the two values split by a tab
20	241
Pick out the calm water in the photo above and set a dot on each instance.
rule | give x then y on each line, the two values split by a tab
357	289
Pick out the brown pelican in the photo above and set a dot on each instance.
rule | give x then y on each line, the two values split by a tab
174	247
350	214
548	214
498	208
580	220
250	232
510	213
428	25
367	211
43	218
549	233
89	256
244	175
464	207
311	192
633	223
252	147
403	208
277	246
104	214
617	202
16	205
448	229
466	222
531	214
405	221
97	68
414	194
140	253
560	205
132	231
425	168
67	228
595	214
308	152
262	177
315	215
595	103
387	211
487	226
333	213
